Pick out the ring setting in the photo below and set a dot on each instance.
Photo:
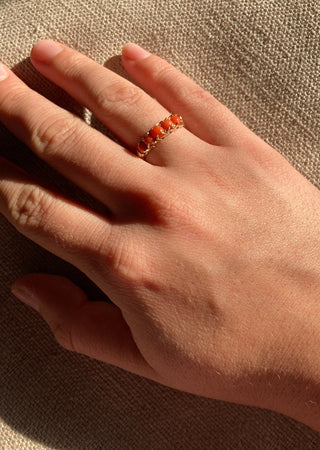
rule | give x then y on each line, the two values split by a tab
158	132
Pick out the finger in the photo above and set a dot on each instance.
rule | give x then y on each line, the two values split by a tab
96	329
58	224
204	115
120	105
85	156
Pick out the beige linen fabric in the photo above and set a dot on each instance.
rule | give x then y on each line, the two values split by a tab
262	59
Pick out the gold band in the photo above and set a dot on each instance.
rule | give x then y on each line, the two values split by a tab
159	131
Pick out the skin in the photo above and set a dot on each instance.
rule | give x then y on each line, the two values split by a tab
209	248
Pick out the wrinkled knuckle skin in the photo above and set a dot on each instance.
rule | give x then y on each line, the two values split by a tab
200	95
126	268
29	209
125	262
168	75
13	98
52	134
122	260
62	334
173	205
178	210
73	66
163	72
118	93
196	95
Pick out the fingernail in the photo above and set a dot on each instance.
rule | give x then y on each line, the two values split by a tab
44	51
3	72
134	52
25	295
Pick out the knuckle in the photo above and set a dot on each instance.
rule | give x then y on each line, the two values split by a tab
66	329
13	97
63	334
181	210
118	92
177	209
125	265
174	203
29	208
199	94
124	260
184	217
52	133
166	74
196	95
73	67
163	71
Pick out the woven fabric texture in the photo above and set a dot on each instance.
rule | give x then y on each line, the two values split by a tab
261	59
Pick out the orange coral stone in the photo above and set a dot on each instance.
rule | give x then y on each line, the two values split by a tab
156	131
176	120
166	124
148	140
142	147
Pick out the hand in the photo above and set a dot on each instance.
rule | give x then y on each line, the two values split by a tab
210	250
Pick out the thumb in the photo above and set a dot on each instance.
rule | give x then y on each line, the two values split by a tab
96	329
